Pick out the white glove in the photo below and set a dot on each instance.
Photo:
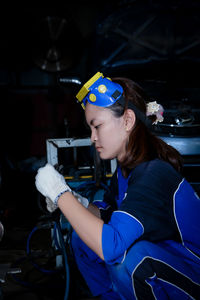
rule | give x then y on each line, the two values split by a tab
50	183
51	207
84	201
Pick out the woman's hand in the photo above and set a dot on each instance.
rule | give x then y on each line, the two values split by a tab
50	183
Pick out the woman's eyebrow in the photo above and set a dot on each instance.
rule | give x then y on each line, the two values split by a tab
92	122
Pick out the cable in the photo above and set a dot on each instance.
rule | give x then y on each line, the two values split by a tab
65	260
27	284
61	247
20	281
29	253
55	237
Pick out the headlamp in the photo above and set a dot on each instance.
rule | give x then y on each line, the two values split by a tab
99	91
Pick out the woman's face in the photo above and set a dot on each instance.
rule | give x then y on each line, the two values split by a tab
108	133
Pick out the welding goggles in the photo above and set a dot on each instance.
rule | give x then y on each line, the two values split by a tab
99	91
102	91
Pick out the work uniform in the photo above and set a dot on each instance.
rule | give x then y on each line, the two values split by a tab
150	237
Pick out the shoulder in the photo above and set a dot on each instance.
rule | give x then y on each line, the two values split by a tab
155	172
152	184
154	164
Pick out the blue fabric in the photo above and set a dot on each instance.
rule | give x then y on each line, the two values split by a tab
149	198
118	235
187	215
165	291
122	186
101	204
122	230
127	280
123	281
93	270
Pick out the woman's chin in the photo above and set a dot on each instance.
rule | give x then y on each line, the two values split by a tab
102	155
105	156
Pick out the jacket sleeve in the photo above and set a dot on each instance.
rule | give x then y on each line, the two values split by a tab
118	235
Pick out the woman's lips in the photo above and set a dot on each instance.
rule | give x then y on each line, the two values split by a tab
98	148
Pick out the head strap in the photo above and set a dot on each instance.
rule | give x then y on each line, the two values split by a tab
139	114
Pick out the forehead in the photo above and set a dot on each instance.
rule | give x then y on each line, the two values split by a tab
93	112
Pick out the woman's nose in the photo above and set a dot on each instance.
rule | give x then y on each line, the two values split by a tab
93	136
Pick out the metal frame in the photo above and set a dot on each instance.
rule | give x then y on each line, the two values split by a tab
52	146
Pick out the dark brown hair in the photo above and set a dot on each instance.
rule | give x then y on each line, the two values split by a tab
143	145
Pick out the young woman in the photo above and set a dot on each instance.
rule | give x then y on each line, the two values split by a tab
142	241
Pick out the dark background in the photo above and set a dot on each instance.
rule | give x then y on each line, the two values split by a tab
156	43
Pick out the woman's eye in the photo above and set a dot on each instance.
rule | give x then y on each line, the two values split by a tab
97	126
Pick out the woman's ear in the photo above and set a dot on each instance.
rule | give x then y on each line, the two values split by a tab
129	119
